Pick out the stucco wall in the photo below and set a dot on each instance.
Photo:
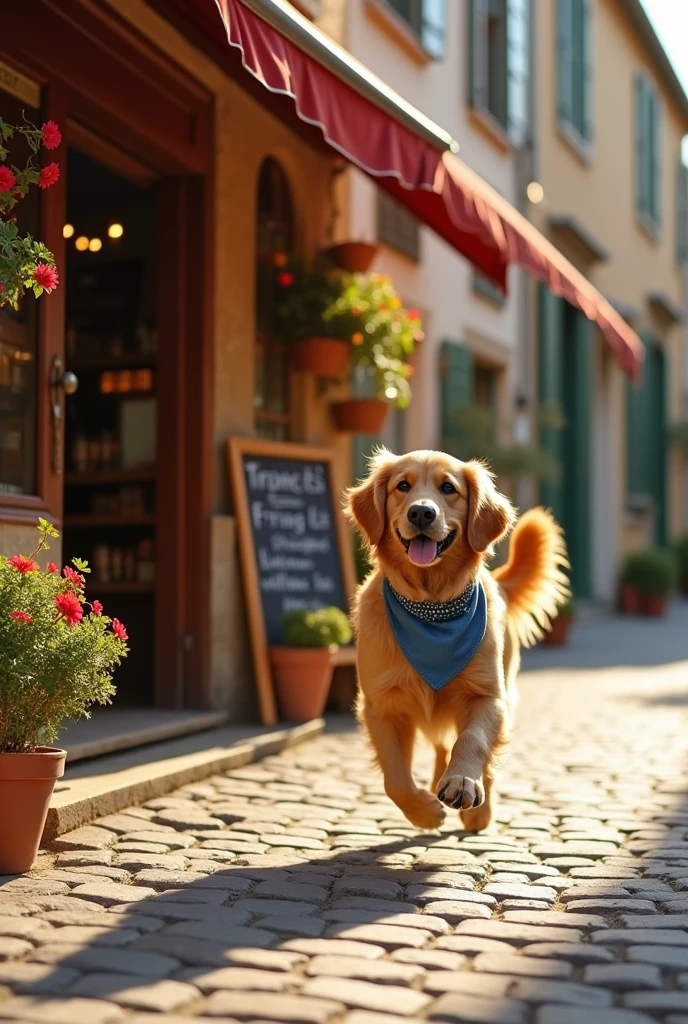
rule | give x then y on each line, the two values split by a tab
441	283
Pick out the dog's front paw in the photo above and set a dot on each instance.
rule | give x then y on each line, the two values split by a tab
424	810
460	791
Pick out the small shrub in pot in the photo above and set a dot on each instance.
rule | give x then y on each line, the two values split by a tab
57	654
647	579
303	666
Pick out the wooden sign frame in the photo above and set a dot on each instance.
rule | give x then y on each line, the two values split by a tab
237	448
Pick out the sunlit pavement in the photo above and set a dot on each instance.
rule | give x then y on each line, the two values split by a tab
292	890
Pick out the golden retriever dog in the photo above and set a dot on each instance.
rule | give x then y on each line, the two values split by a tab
430	523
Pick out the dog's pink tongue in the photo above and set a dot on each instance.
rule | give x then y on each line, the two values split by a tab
422	551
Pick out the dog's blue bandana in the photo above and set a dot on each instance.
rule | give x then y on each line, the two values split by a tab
438	639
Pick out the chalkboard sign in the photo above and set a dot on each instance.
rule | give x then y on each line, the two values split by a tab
295	550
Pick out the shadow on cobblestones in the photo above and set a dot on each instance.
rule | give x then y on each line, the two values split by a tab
292	890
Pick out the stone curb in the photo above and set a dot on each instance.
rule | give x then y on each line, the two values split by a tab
96	796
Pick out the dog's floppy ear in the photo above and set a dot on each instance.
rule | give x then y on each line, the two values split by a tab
365	504
490	514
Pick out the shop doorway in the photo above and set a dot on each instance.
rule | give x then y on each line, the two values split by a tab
111	345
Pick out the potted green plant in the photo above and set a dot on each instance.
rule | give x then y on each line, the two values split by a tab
303	666
682	559
383	335
304	293
57	653
647	580
558	635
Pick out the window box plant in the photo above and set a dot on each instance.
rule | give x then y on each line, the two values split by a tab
304	294
682	559
354	257
57	654
647	579
303	666
558	635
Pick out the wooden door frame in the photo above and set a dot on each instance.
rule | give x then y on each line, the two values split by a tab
96	69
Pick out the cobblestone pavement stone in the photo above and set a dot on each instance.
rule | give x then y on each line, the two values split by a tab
292	890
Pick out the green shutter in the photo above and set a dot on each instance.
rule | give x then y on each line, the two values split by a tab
433	27
551	346
681	212
588	63
565	60
646	418
576	516
643	152
656	163
457	387
518	65
478	62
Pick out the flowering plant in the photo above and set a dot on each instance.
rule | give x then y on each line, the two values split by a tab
361	309
24	263
57	651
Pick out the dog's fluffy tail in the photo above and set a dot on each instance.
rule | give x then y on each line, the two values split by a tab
533	578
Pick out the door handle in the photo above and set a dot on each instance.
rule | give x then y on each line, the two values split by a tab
67	382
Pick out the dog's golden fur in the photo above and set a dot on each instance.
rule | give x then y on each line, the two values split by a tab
468	720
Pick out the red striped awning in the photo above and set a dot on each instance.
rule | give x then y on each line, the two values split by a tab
365	121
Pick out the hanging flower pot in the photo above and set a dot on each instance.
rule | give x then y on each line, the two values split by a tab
302	681
354	257
360	415
323	357
26	786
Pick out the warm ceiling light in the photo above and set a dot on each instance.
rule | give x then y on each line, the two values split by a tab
115	231
535	192
95	245
81	243
68	231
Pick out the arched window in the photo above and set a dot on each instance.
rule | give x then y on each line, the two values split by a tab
274	229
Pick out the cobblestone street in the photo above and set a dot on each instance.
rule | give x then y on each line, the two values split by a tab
293	891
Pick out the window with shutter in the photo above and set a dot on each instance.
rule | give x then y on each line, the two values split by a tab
681	213
397	227
648	154
646	418
499	63
574	69
457	386
427	19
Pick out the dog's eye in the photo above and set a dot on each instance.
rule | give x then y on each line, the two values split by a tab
448	488
403	485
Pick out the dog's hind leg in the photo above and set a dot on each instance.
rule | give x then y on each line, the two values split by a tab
393	742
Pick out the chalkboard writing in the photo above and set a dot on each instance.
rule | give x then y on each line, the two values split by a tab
292	515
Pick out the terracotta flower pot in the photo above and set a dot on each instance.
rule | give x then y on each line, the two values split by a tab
302	680
324	357
654	605
558	636
354	257
629	599
360	415
26	786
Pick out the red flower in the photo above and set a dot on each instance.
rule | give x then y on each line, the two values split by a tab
6	178
69	607
97	608
20	617
18	195
46	276
413	314
74	577
49	175
22	564
52	136
119	630
52	567
285	279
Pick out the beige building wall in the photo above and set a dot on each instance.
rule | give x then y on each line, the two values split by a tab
599	190
440	284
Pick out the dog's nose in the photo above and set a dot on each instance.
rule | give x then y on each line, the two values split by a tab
422	516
